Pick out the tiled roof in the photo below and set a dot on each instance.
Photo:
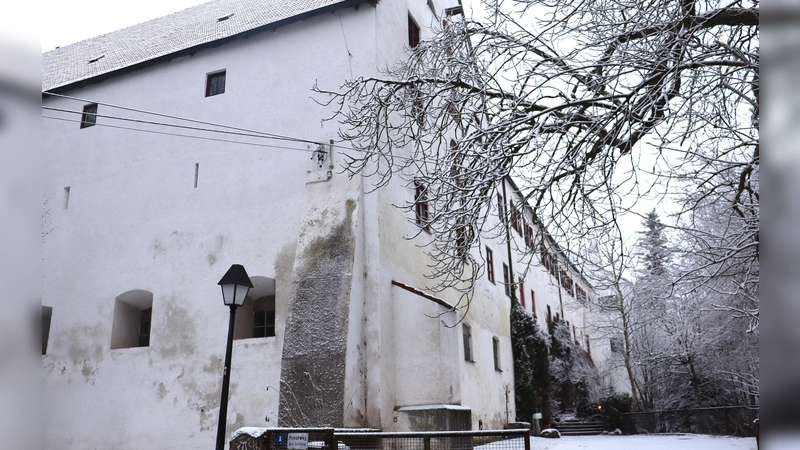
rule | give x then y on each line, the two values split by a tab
166	35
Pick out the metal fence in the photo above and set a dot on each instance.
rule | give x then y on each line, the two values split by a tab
720	420
438	440
330	439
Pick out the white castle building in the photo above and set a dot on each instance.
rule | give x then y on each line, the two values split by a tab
145	211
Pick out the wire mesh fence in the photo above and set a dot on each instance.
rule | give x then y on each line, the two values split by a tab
438	440
720	420
330	439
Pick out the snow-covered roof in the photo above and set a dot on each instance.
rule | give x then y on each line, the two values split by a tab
187	29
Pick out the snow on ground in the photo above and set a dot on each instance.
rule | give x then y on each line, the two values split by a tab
645	442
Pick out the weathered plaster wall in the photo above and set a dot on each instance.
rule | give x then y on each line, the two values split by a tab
314	358
136	221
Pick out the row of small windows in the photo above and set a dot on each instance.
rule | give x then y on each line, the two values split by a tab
215	85
133	312
467	340
422	219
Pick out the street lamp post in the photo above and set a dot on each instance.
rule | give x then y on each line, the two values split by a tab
235	286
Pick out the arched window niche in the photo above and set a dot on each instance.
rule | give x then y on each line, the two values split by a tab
132	312
256	319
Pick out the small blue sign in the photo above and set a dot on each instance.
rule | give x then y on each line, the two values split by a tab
280	438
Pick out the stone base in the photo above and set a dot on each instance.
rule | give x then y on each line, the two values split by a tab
439	417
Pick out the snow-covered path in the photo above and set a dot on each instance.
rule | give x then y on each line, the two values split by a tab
645	442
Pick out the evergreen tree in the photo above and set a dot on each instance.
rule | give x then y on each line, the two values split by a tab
654	245
531	365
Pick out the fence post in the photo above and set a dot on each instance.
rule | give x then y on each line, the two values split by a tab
528	440
427	444
330	440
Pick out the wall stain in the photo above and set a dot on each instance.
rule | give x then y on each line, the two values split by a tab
89	372
162	391
85	343
315	343
177	333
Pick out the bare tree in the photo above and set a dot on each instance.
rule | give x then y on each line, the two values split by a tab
585	104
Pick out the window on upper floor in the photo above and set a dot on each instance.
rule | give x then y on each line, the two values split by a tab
413	32
132	318
506	280
462	247
533	303
432	7
616	343
496	353
89	116
466	331
47	314
549	315
522	294
215	83
421	211
529	236
515	219
489	264
501	210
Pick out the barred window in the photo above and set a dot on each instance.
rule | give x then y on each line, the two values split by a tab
215	83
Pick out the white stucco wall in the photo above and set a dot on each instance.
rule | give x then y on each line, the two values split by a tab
136	221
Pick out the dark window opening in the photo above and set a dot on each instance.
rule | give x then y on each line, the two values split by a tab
467	335
89	117
501	210
506	280
256	318
413	32
549	315
461	243
421	211
263	324
529	236
47	314
489	265
533	303
496	353
616	344
215	83
522	294
133	312
144	327
515	219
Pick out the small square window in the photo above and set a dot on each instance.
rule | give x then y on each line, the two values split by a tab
215	83
89	117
